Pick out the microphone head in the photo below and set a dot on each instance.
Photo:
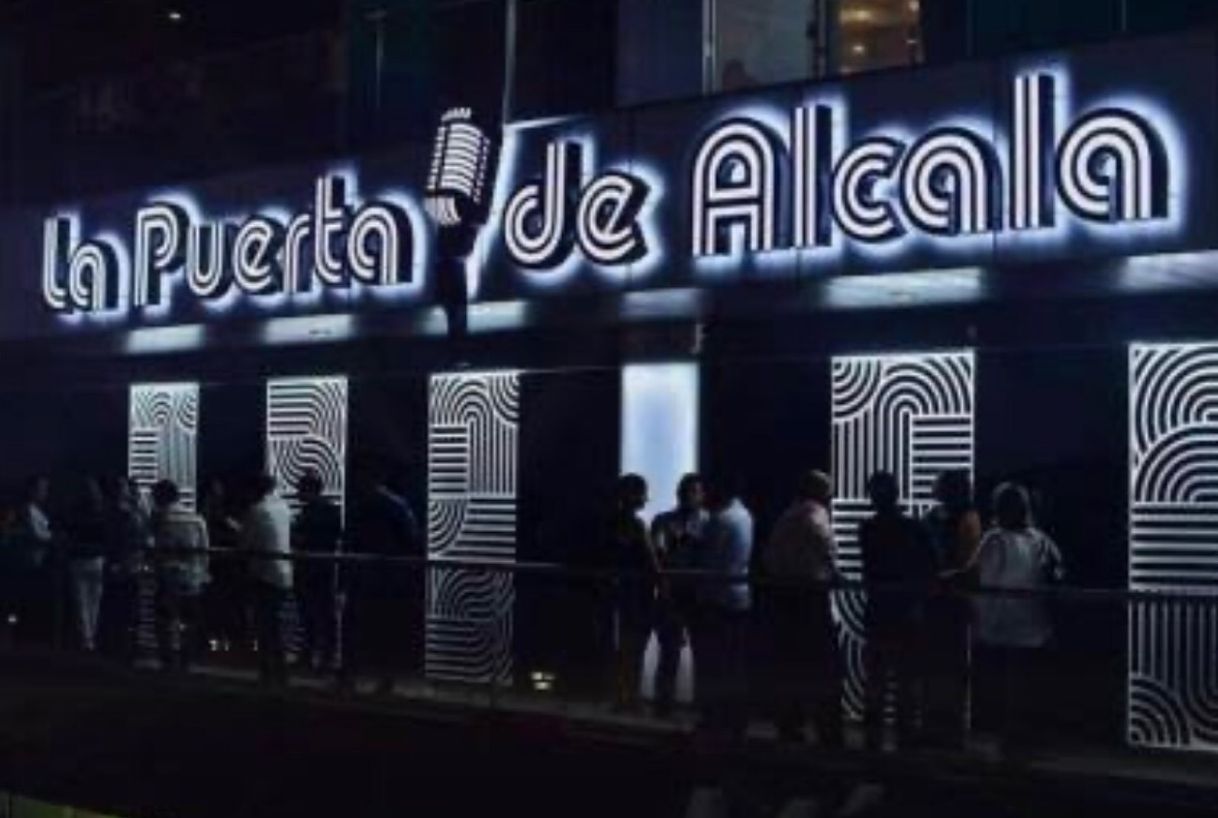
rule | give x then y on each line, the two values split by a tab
458	186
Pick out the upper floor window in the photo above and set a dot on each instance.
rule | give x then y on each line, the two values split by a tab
760	42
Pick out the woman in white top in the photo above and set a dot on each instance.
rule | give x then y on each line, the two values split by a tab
1013	631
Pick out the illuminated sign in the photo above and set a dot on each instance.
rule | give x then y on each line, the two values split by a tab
545	219
461	164
758	187
983	165
335	243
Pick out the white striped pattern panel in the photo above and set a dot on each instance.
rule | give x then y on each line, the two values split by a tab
1173	545
909	414
473	456
162	436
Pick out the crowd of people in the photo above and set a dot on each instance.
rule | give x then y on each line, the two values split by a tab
118	551
761	625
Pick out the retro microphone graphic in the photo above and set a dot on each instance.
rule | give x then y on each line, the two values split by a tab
457	197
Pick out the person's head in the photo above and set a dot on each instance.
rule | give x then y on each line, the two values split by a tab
816	486
165	493
264	486
91	494
309	487
954	489
691	493
369	475
1012	507
722	489
37	489
631	493
884	492
120	489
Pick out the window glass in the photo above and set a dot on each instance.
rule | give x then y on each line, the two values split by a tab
761	42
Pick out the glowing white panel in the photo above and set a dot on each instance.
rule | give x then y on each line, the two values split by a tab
911	415
1173	483
162	436
472	465
306	429
659	440
659	427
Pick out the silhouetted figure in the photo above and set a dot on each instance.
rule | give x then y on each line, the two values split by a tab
954	528
266	532
227	601
676	536
128	536
85	526
721	619
383	623
898	568
1015	632
180	537
807	667
34	562
317	531
635	568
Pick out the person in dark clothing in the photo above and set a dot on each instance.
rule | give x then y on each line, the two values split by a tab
801	557
128	536
383	621
317	531
954	528
86	549
636	569
897	563
676	536
229	618
35	554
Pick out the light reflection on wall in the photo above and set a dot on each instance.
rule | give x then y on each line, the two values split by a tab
659	421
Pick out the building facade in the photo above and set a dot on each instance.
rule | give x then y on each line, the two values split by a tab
745	238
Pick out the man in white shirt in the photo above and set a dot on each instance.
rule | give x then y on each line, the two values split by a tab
266	533
722	613
182	575
806	672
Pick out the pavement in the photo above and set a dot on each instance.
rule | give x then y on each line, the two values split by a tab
137	743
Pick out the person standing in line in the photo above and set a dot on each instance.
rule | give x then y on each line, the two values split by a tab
635	573
85	527
227	604
266	532
898	569
317	532
1015	632
676	536
954	528
383	621
36	544
128	536
802	551
721	620
180	538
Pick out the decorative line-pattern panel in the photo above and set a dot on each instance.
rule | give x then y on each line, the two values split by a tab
1173	671
162	436
911	415
473	439
306	428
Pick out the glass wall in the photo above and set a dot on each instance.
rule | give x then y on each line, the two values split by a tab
760	42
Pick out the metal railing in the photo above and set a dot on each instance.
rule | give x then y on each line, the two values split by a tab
972	668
